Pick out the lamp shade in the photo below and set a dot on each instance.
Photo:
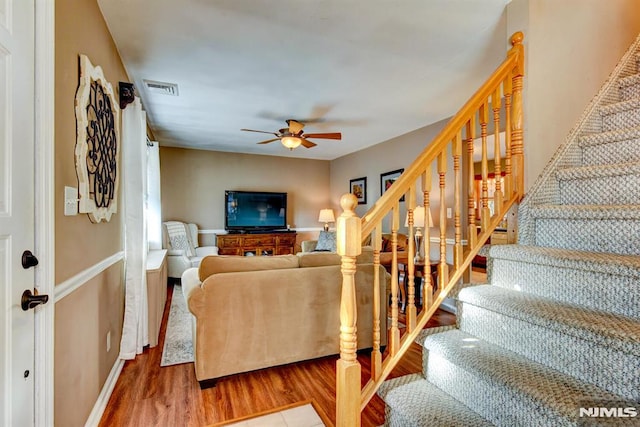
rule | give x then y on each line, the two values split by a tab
418	217
326	215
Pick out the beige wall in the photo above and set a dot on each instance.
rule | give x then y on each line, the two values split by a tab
571	48
81	361
80	28
84	317
391	155
193	184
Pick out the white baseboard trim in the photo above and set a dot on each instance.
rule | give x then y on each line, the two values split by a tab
214	231
70	285
103	399
448	241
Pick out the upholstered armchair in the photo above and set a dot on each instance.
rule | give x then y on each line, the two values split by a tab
183	250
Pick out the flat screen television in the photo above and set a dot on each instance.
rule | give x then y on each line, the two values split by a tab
254	211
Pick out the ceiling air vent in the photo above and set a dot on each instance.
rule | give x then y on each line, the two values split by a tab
161	88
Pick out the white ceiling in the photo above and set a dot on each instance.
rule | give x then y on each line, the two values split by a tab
371	69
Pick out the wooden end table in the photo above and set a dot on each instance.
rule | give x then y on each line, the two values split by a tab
419	272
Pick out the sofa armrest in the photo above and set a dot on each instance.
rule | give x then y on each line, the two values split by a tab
190	283
204	251
177	264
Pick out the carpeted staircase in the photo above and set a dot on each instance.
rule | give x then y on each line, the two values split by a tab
558	326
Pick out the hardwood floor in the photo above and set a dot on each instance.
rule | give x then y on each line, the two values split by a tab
148	395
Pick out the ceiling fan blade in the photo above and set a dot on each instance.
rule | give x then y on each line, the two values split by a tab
294	126
307	144
331	135
259	131
268	141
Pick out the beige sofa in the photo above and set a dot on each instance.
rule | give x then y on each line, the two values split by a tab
385	251
257	312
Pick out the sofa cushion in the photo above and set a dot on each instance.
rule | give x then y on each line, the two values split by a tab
386	242
319	259
326	241
231	263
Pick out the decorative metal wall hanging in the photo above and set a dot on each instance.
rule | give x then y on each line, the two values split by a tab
98	143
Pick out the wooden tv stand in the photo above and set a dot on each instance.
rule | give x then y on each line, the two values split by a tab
256	244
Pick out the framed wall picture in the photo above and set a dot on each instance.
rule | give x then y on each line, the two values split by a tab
387	179
358	187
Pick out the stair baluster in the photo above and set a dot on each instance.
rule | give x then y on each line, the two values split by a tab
443	268
395	330
409	282
376	354
472	234
496	103
508	178
485	213
427	282
457	246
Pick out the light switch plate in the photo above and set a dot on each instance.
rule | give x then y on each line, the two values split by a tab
70	201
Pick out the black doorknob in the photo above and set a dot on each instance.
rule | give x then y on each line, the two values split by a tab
28	260
31	300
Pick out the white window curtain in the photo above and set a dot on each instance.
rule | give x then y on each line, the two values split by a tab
135	331
154	210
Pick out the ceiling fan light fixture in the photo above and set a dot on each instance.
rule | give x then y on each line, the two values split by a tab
291	142
293	137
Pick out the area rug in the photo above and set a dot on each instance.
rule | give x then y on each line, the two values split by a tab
178	343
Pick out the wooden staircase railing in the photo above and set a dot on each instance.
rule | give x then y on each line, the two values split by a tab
483	110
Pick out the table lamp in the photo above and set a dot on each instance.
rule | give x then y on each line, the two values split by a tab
326	216
418	223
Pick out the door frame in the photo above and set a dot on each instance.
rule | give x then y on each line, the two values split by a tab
44	139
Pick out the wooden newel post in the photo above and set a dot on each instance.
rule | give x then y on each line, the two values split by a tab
517	126
349	246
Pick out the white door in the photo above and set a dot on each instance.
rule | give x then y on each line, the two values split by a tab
16	210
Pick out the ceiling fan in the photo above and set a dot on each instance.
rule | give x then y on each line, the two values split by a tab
293	136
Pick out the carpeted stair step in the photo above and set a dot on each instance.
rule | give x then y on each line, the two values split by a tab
431	331
629	87
598	281
503	387
453	293
620	115
596	347
411	401
616	184
616	146
613	229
